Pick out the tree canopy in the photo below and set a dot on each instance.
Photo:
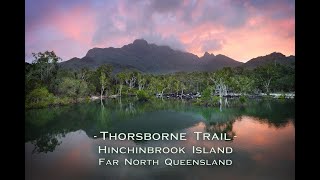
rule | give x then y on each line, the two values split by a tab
45	78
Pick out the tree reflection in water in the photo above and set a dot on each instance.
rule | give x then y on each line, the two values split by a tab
46	127
221	127
46	143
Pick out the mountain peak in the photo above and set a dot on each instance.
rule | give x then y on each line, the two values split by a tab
75	58
276	54
140	42
150	58
207	55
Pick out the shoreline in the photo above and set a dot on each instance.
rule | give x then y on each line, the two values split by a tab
187	97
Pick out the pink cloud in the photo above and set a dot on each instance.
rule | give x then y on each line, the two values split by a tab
68	33
78	25
241	30
259	36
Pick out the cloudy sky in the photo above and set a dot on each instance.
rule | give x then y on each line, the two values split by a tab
240	29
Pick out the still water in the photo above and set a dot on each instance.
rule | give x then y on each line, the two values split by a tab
60	143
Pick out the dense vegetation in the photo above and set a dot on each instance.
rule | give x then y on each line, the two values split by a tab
47	84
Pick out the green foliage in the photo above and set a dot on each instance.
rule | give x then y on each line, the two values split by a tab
242	84
266	75
42	71
103	80
206	94
155	85
40	94
121	77
41	97
285	83
45	67
142	95
282	96
197	102
215	99
65	86
242	99
94	77
73	88
45	144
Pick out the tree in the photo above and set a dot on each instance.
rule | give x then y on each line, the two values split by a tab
220	86
176	86
285	80
103	83
206	94
242	84
130	79
31	80
141	81
142	95
183	87
38	95
196	81
121	76
73	88
83	74
153	85
159	85
45	66
164	84
222	81
265	75
95	78
42	71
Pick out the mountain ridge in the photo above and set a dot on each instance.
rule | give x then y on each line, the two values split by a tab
274	57
151	58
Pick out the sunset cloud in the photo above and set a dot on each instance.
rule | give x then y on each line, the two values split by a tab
239	29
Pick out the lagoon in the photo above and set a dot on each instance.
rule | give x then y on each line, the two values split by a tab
60	142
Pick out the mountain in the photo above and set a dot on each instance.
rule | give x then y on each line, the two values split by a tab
274	57
208	61
150	58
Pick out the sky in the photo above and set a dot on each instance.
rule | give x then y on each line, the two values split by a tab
240	29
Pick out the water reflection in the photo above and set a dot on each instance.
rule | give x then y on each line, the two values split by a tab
60	143
221	127
46	143
45	126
